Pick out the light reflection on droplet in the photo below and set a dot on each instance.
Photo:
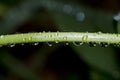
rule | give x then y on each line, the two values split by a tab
36	43
22	44
56	41
104	44
92	44
66	43
84	38
49	44
77	43
11	45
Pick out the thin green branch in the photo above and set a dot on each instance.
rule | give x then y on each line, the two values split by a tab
60	37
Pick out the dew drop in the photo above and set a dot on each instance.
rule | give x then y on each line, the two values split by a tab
104	44
11	45
49	44
66	43
56	41
92	44
36	43
116	45
84	38
77	43
22	44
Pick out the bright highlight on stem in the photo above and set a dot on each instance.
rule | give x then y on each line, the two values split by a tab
60	37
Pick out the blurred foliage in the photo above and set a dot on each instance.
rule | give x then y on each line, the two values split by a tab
59	61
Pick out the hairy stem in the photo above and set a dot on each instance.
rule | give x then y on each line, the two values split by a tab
60	37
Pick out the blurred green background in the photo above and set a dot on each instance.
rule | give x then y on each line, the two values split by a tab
59	61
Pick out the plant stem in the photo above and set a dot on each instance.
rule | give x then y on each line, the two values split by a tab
60	37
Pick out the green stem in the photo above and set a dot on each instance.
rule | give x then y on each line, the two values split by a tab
60	37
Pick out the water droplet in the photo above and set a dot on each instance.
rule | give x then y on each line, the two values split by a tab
56	41
11	45
67	9
77	43
66	43
104	44
49	44
116	45
92	44
36	43
22	44
84	38
80	16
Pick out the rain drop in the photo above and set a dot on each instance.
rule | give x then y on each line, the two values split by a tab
56	41
116	45
22	44
77	43
49	44
84	38
66	43
92	44
11	45
36	43
104	44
